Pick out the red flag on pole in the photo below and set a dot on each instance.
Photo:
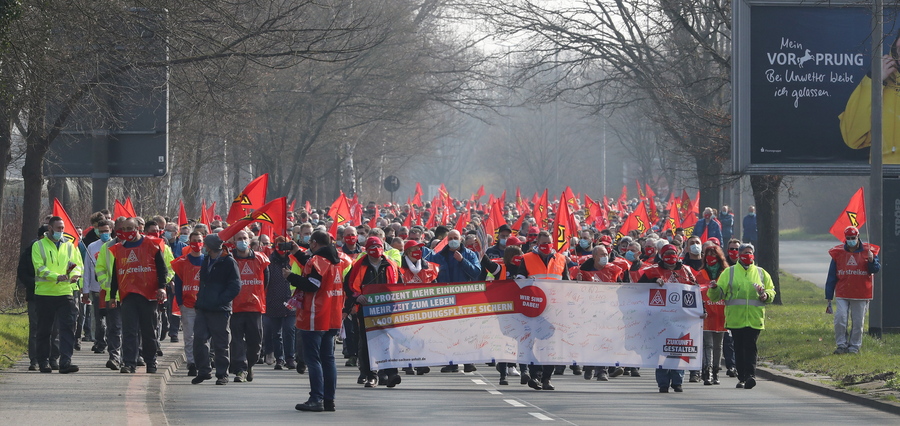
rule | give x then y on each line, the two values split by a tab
650	193
69	232
129	208
340	213
211	211
119	210
673	221
307	206
204	215
852	215
291	207
373	222
182	215
274	214
637	220
640	189
541	213
462	221
563	226
479	193
417	197
252	197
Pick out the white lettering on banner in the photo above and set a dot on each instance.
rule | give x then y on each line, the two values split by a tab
790	71
254	281
573	322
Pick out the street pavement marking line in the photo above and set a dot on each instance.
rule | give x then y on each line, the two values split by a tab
494	392
136	409
469	373
478	382
514	403
540	416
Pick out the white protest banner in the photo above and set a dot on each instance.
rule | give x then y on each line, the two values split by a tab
535	321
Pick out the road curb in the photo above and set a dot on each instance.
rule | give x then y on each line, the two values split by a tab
826	390
166	369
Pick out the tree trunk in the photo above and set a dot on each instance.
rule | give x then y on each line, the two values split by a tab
709	177
33	181
765	192
5	154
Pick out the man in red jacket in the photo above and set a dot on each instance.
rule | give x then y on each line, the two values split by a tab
247	308
319	318
850	282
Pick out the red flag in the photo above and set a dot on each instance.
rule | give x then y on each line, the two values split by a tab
570	199
407	222
69	232
695	204
373	222
129	208
204	215
852	215
650	193
503	197
640	189
624	196
564	226
274	214
340	213
357	214
211	211
444	195
291	207
653	213
307	206
479	193
462	221
417	197
182	215
252	197
636	220
541	213
518	225
119	211
673	221
688	223
685	205
432	220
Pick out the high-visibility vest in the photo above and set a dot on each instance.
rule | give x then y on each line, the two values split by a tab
190	279
536	268
135	267
321	310
252	297
853	278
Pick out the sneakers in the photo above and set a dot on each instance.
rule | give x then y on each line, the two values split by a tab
301	368
512	371
173	339
618	371
351	362
409	371
750	383
694	377
534	384
361	379
524	378
731	372
33	367
127	370
450	369
663	389
290	364
422	370
504	382
140	361
222	381
840	350
77	346
66	369
314	406
240	377
192	370
151	368
468	368
113	365
329	405
635	372
199	379
588	373
715	378
576	370
677	388
603	376
545	385
270	358
279	365
371	381
740	385
54	365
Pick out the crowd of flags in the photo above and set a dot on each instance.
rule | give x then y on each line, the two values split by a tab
250	206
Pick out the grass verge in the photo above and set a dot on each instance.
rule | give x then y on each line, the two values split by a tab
798	234
13	337
800	334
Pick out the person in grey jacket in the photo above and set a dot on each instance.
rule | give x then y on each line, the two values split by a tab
220	283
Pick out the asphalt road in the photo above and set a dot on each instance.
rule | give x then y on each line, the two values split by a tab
459	398
807	259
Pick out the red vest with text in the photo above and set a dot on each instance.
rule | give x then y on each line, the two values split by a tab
136	268
715	311
190	279
853	278
252	297
609	274
685	275
536	268
321	310
424	276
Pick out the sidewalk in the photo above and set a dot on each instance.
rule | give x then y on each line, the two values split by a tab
95	395
814	383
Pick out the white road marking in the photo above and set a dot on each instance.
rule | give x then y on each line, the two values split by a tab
478	382
540	416
494	392
514	403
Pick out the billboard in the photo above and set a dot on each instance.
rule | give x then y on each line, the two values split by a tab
802	88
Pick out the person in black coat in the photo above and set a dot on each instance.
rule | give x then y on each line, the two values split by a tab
220	283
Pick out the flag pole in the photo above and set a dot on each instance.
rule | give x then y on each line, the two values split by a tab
876	178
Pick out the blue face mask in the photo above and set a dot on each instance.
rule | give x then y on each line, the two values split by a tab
453	244
104	236
167	235
304	239
58	236
852	243
584	243
503	241
183	238
629	255
241	245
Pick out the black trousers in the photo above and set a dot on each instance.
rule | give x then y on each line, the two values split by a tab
745	351
138	329
363	350
52	310
211	325
246	340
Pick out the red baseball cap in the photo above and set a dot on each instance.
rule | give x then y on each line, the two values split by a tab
851	231
411	243
373	241
534	230
606	240
513	241
668	247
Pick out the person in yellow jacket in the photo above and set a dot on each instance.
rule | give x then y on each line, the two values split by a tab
104	268
746	290
57	267
856	120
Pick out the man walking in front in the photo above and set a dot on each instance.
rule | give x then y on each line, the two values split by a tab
220	282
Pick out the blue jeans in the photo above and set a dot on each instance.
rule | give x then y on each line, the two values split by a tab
318	353
666	377
279	336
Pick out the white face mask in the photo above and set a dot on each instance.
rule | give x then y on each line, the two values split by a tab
695	249
601	262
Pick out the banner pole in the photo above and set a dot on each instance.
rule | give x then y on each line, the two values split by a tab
876	179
